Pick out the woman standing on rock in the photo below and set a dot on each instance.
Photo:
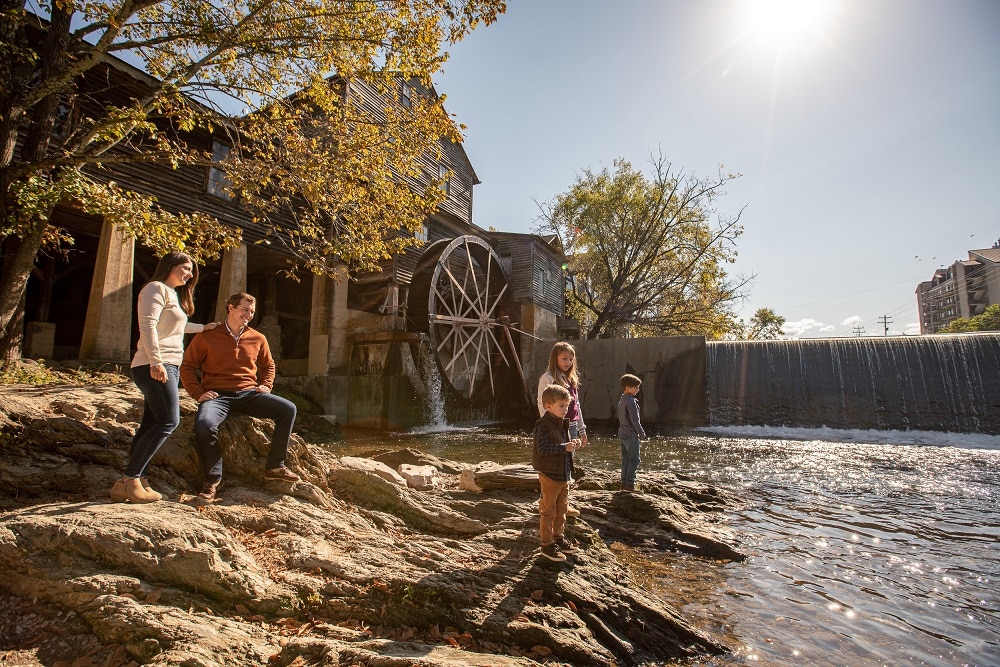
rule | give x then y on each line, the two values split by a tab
164	305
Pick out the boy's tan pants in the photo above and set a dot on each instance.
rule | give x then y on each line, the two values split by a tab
552	508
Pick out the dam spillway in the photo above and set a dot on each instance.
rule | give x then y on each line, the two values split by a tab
937	383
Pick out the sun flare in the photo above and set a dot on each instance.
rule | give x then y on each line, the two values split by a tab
779	24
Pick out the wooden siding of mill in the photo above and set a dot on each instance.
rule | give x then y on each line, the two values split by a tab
459	200
454	215
180	190
528	253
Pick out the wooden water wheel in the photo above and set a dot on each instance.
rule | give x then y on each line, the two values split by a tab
459	296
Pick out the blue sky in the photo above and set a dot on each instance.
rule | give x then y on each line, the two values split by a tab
867	135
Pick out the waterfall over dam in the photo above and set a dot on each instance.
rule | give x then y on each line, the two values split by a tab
936	383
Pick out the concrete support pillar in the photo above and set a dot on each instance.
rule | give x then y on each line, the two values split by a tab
340	353
106	329
319	325
232	279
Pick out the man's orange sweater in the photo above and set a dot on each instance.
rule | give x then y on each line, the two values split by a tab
225	364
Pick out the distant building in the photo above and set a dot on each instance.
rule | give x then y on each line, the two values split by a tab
963	289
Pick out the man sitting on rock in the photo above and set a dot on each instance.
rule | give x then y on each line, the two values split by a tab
236	374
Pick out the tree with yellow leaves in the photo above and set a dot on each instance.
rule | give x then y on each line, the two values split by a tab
331	180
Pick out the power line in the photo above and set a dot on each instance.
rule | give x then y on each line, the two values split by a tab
859	331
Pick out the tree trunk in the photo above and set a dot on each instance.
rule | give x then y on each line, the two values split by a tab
20	253
18	262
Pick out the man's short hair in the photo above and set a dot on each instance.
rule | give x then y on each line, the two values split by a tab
628	381
553	393
235	299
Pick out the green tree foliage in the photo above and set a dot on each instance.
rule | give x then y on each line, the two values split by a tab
647	256
764	325
335	178
988	320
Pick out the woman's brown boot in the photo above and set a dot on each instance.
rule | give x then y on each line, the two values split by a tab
134	492
118	492
149	489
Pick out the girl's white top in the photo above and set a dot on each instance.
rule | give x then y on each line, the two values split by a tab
544	382
162	325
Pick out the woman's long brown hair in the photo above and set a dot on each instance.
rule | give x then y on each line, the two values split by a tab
185	293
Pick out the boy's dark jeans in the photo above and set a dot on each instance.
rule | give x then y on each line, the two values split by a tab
630	457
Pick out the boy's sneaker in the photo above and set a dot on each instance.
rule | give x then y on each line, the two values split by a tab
628	488
281	474
566	546
552	552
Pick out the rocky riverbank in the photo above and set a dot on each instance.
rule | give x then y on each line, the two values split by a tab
347	567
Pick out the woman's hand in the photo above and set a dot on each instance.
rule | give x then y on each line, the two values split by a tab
158	372
583	438
211	325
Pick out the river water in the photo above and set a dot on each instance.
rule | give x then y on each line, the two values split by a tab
865	548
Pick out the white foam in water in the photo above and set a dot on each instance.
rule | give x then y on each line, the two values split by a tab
866	436
439	428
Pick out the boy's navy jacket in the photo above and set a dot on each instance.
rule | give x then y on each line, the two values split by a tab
628	417
549	455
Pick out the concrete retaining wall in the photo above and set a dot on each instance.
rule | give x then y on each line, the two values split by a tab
672	371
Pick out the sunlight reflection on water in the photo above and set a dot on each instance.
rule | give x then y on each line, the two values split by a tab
859	553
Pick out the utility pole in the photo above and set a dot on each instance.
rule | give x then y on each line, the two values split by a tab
886	321
859	331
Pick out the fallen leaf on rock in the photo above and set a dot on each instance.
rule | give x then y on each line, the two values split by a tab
153	597
453	642
242	609
541	649
537	594
571	605
257	618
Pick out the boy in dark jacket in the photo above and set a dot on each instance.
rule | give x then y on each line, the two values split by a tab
552	457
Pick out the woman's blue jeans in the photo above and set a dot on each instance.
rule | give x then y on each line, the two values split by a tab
161	413
630	457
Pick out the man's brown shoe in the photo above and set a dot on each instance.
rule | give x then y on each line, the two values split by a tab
209	489
572	512
281	474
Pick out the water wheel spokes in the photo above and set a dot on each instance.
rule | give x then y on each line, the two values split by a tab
466	295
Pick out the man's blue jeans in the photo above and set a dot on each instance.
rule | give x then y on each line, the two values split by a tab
630	457
250	402
161	413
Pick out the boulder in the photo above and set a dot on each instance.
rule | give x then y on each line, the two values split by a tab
423	478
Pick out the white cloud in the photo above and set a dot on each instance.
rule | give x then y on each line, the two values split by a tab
912	328
852	320
828	328
801	328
